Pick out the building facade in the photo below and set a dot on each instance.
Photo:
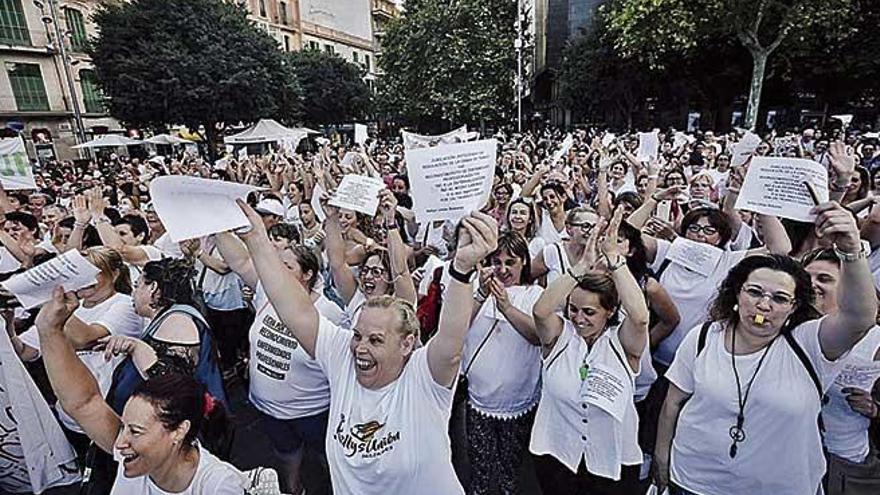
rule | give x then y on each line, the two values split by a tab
40	93
344	28
280	19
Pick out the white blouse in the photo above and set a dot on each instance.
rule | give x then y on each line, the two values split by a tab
782	450
570	425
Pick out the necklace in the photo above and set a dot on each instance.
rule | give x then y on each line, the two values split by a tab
736	432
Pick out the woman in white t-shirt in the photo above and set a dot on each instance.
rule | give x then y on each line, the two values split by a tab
585	437
502	363
382	272
287	385
849	407
743	403
522	220
105	309
390	402
155	439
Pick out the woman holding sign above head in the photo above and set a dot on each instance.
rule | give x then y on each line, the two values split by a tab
585	436
389	402
383	271
746	389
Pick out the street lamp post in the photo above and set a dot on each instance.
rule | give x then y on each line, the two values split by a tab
80	134
518	45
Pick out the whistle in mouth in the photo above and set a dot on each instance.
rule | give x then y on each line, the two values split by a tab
759	319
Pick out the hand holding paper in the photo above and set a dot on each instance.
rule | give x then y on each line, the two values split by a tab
774	186
34	287
358	193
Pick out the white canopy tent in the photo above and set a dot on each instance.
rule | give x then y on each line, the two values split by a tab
168	140
109	141
265	131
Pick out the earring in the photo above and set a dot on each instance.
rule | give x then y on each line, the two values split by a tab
735	308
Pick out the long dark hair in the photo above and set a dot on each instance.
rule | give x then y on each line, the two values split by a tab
723	306
637	258
531	226
177	398
174	279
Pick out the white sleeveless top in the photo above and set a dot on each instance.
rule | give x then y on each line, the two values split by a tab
556	260
846	431
547	230
505	378
568	425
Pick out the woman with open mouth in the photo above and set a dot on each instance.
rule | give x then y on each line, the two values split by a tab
155	438
390	402
585	437
502	365
383	271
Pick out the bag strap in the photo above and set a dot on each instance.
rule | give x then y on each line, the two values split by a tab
561	259
701	339
480	348
620	358
202	275
802	357
177	308
663	266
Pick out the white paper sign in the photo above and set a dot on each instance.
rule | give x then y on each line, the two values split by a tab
15	168
450	181
845	118
317	192
566	145
774	186
34	286
412	140
695	256
192	207
607	139
649	146
242	154
358	193
360	134
744	148
603	389
679	140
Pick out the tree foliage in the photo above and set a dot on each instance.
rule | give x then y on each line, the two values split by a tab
451	62
196	62
333	89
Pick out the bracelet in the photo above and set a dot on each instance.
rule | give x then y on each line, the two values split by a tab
464	278
481	296
392	226
577	278
653	177
102	220
80	225
617	266
850	257
655	198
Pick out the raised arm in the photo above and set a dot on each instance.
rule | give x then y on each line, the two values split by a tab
289	298
523	323
855	296
478	238
73	383
81	218
528	189
237	258
343	277
397	252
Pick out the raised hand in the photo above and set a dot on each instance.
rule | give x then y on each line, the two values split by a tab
609	245
842	162
387	205
256	228
54	314
478	238
836	224
81	213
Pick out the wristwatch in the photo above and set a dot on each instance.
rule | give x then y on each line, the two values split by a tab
850	257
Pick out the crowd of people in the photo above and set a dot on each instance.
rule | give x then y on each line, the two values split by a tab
556	335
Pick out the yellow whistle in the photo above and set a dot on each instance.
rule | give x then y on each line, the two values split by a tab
759	319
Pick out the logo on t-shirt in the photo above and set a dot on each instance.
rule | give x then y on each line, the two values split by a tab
366	439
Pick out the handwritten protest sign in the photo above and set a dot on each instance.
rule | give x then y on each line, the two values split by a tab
192	207
15	168
358	193
649	146
744	149
34	287
450	181
774	186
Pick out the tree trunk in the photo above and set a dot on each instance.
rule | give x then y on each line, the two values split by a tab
759	66
211	137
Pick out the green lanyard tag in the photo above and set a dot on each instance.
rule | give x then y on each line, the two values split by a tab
584	371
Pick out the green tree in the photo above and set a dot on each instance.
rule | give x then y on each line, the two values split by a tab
333	89
655	30
206	64
450	62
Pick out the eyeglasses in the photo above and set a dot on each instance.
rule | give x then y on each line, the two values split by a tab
585	226
756	294
705	229
375	271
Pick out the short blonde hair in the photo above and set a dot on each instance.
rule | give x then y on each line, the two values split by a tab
406	312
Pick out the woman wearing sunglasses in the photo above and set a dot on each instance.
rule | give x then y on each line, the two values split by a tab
555	259
746	390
